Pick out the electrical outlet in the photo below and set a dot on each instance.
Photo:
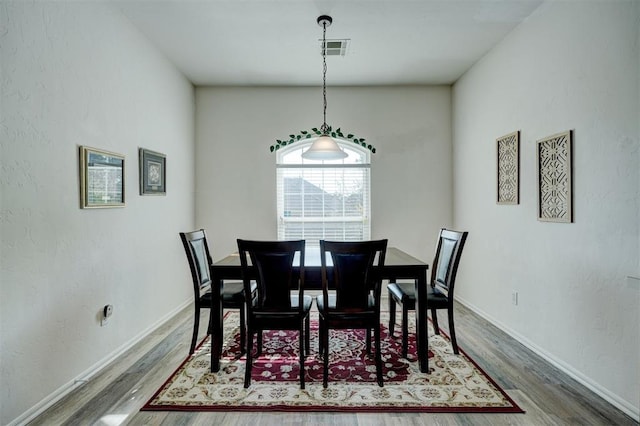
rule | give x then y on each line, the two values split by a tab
514	298
106	313
107	310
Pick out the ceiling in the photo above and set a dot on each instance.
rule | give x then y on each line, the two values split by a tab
277	42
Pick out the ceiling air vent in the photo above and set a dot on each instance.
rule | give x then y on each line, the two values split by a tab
335	47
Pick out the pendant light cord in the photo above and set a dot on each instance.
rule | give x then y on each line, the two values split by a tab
324	128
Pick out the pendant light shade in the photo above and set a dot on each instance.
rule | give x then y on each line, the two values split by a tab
324	147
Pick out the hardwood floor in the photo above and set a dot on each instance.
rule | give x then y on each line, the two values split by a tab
549	397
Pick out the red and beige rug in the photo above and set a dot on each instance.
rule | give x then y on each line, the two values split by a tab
455	382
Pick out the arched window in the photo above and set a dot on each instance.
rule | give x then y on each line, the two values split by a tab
321	199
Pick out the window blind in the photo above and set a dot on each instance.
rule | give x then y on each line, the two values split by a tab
324	201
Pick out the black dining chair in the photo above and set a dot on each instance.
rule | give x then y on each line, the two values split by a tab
354	300
197	251
280	302
439	291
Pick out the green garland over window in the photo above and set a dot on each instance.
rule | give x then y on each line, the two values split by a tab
315	132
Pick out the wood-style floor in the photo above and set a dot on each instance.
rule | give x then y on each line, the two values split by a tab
549	397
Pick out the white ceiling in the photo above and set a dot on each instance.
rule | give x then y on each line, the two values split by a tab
276	42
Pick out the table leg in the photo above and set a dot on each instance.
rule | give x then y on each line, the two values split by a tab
216	333
422	325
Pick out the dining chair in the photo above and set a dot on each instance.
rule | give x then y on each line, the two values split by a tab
439	291
354	300
280	302
197	250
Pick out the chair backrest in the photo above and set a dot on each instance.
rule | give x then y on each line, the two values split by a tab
197	250
272	267
447	258
355	272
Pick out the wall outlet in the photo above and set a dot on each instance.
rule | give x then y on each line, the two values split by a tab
514	298
107	311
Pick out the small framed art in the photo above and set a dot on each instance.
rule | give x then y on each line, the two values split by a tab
555	183
101	178
508	160
153	173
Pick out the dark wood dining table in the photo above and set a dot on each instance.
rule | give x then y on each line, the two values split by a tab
398	265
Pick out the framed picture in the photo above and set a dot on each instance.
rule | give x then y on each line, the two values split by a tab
153	173
555	183
101	178
508	175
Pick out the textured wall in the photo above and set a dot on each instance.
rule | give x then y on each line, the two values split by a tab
570	66
77	73
410	173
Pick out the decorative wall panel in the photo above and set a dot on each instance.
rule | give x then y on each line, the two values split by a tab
555	178
508	151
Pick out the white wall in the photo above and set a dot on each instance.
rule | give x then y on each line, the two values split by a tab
570	66
411	174
78	73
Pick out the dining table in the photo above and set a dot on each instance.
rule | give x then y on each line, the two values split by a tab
397	265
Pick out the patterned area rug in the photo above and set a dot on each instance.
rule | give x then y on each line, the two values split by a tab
455	383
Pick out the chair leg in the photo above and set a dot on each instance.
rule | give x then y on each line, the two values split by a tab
210	326
392	314
452	332
378	356
259	342
325	346
434	320
368	340
405	330
301	349
249	360
243	330
196	326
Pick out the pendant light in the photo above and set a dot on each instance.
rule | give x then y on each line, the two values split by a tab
324	147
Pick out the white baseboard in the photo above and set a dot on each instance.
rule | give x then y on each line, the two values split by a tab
606	394
85	376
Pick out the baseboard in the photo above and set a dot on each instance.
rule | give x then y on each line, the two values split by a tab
607	395
85	376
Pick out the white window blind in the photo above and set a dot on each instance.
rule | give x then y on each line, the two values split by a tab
323	199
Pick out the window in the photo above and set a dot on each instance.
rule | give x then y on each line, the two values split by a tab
319	199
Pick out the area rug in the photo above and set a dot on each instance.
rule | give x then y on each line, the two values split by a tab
455	382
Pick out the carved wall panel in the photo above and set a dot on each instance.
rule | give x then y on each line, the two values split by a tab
555	197
508	150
